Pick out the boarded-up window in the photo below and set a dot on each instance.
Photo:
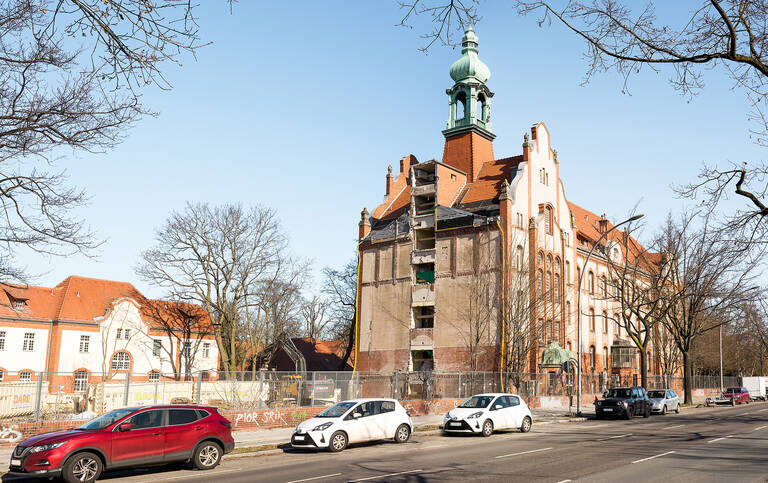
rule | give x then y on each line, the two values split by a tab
369	265
385	263
404	260
444	255
465	253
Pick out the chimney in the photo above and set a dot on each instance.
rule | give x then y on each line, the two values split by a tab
364	227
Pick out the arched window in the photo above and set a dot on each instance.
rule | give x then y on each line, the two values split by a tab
592	357
81	381
603	286
567	272
605	322
591	282
605	357
540	260
461	106
568	345
481	109
592	320
548	219
568	313
121	361
618	325
557	288
154	376
549	284
519	257
539	290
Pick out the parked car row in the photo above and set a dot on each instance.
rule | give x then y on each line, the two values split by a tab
627	402
361	420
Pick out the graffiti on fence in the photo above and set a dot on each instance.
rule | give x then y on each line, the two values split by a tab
9	434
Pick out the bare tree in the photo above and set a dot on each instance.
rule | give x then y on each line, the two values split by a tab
710	280
313	314
340	286
71	76
185	326
221	258
635	282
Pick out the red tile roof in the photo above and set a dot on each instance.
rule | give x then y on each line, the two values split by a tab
81	299
488	182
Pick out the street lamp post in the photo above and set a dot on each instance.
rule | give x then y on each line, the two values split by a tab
578	305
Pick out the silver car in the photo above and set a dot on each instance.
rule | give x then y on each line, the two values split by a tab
663	400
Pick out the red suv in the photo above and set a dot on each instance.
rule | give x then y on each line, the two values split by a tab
127	437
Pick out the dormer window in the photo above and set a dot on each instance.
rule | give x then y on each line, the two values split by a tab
18	304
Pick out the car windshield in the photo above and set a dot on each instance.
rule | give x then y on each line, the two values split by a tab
336	410
106	419
477	402
617	393
733	389
656	394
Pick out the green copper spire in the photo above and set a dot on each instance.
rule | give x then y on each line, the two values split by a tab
469	65
470	98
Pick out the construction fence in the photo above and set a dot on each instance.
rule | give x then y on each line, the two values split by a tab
67	396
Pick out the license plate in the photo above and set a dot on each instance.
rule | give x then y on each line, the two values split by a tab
298	438
608	410
15	462
454	424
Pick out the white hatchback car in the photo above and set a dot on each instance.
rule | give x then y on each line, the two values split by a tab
485	413
354	421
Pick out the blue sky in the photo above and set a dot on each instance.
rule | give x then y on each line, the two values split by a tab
300	106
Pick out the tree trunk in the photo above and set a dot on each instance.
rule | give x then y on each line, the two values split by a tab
350	346
687	378
644	369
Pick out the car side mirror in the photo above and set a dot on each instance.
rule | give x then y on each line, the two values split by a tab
498	406
605	394
126	426
356	415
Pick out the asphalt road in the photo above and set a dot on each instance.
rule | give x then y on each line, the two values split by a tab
698	445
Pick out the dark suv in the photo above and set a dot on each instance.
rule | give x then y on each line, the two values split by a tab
127	437
625	402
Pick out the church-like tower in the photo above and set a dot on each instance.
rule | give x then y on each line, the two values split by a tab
469	133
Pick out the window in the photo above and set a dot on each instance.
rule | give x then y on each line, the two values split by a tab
519	257
618	325
539	291
605	358
557	287
206	350
127	334
623	357
568	313
154	376
592	356
387	406
121	361
591	282
18	304
25	376
605	322
548	219
592	320
119	333
186	349
603	287
567	272
557	330
181	416
84	343
81	381
29	342
148	419
2	340
549	284
157	347
520	220
2	375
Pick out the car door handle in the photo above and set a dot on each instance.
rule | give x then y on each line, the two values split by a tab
198	428
156	434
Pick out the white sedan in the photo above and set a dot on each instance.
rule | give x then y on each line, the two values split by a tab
663	400
354	421
485	413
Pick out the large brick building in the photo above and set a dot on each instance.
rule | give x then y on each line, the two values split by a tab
445	223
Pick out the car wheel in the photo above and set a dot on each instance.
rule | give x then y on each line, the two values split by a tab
82	467
677	409
338	442
647	413
664	410
487	428
733	402
402	434
629	412
526	426
207	455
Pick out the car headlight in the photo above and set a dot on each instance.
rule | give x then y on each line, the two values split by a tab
322	427
624	403
448	415
45	447
475	415
599	403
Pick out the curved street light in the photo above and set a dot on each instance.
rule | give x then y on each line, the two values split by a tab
578	304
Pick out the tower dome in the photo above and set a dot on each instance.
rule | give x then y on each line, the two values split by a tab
469	65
